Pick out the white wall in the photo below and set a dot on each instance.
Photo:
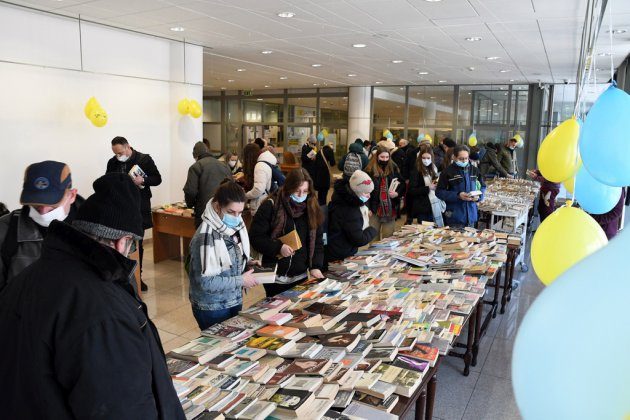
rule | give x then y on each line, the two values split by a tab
136	78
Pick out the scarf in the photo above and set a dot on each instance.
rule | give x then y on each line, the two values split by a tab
365	213
215	258
385	209
284	209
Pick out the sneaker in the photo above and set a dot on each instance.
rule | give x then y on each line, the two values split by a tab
143	286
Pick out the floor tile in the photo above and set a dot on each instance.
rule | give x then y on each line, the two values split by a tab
177	321
174	343
159	304
492	399
499	360
453	389
166	336
484	350
192	334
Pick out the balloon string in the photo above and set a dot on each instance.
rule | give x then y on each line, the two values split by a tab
610	36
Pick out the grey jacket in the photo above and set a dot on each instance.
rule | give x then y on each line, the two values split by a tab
204	177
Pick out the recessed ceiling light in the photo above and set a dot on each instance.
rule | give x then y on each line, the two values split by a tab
352	75
259	99
504	70
231	81
511	80
359	45
378	83
471	68
495	104
470	93
492	58
267	86
286	14
397	61
473	38
316	65
240	69
618	31
441	81
432	1
315	84
402	88
177	29
283	77
502	88
266	52
422	73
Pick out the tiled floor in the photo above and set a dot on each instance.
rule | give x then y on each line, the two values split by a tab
485	394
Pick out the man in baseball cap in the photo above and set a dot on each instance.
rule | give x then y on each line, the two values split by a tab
47	195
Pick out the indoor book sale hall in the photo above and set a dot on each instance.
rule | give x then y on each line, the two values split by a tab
381	209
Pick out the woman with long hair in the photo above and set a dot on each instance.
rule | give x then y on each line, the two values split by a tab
422	180
388	187
233	162
292	211
219	253
250	157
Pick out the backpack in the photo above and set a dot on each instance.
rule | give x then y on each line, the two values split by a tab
353	163
277	178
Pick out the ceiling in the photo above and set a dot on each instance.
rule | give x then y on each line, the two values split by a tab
534	40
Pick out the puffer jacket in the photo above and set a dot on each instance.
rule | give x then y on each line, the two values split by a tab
489	164
263	178
453	181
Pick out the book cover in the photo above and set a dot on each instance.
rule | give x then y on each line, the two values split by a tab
308	366
345	341
291	400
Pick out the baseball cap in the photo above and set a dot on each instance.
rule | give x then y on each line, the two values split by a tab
45	183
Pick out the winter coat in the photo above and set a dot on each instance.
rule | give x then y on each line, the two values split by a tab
375	200
506	158
263	177
204	177
454	180
399	156
489	164
412	157
261	241
218	292
345	223
358	149
418	194
322	173
153	179
308	163
21	241
439	154
77	340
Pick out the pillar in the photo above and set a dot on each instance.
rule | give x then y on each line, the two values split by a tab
359	112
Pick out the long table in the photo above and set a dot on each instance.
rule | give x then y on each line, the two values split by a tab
171	235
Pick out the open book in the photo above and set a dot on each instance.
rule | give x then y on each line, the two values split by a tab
137	171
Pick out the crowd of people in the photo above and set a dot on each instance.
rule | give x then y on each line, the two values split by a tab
70	314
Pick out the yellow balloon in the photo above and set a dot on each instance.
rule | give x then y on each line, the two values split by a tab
195	109
386	132
428	137
558	153
517	137
98	116
91	104
325	132
567	236
472	141
183	107
569	184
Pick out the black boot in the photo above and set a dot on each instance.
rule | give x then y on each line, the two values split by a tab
143	286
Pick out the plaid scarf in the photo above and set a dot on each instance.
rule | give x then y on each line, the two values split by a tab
283	209
385	208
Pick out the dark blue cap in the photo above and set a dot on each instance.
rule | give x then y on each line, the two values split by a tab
45	183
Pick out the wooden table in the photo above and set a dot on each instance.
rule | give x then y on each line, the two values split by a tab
288	167
512	256
171	234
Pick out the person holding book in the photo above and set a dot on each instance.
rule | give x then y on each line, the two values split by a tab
461	187
388	187
309	155
422	184
219	253
348	217
287	231
77	341
144	174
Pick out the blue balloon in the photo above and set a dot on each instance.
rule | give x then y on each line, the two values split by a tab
320	136
420	137
570	357
390	136
593	196
605	138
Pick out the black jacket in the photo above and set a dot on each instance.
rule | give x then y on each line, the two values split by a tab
260	238
76	339
321	179
345	223
153	179
375	200
418	194
308	163
400	158
412	157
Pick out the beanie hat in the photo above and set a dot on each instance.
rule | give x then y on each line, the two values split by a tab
199	149
449	142
361	183
387	144
113	211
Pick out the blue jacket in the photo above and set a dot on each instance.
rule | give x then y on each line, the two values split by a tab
453	181
222	291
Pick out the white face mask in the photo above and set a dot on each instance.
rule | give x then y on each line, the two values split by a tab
45	220
426	162
122	158
232	163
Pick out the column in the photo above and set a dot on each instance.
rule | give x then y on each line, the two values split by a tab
359	113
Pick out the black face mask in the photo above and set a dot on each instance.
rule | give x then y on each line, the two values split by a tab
383	163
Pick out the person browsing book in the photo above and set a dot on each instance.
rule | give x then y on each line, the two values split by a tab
461	187
348	219
422	184
219	254
77	340
388	187
292	215
144	175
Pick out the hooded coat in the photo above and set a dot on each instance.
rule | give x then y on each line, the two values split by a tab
358	149
263	177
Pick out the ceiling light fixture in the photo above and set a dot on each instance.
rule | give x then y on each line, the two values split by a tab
316	65
352	75
267	86
618	31
283	77
492	58
471	68
511	80
397	61
378	83
495	104
422	73
315	84
231	81
286	14
177	29
504	70
240	70
441	81
359	45
473	38
266	52
259	99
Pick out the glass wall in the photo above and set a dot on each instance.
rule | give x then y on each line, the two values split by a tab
388	111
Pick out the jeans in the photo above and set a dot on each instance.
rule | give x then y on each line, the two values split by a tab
206	319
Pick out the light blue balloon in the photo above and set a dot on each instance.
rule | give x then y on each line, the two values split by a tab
570	357
320	136
390	135
605	138
420	137
593	196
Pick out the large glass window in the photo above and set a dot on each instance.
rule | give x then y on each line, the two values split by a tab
303	110
430	112
388	111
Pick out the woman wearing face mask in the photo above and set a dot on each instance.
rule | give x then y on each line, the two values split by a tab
422	181
348	219
293	207
384	198
233	162
460	186
219	253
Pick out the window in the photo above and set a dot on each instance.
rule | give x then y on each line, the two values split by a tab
303	110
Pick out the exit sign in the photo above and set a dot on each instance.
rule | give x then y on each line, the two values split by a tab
248	92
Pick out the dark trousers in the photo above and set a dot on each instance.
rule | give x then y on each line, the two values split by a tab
206	319
272	289
322	196
422	217
140	255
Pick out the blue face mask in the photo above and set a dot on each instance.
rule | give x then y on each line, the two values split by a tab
231	221
364	199
461	164
299	199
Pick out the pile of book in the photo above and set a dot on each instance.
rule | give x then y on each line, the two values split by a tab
179	209
349	346
515	196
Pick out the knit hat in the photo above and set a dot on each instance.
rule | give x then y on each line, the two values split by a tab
361	183
449	143
387	144
45	183
113	211
199	149
312	139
